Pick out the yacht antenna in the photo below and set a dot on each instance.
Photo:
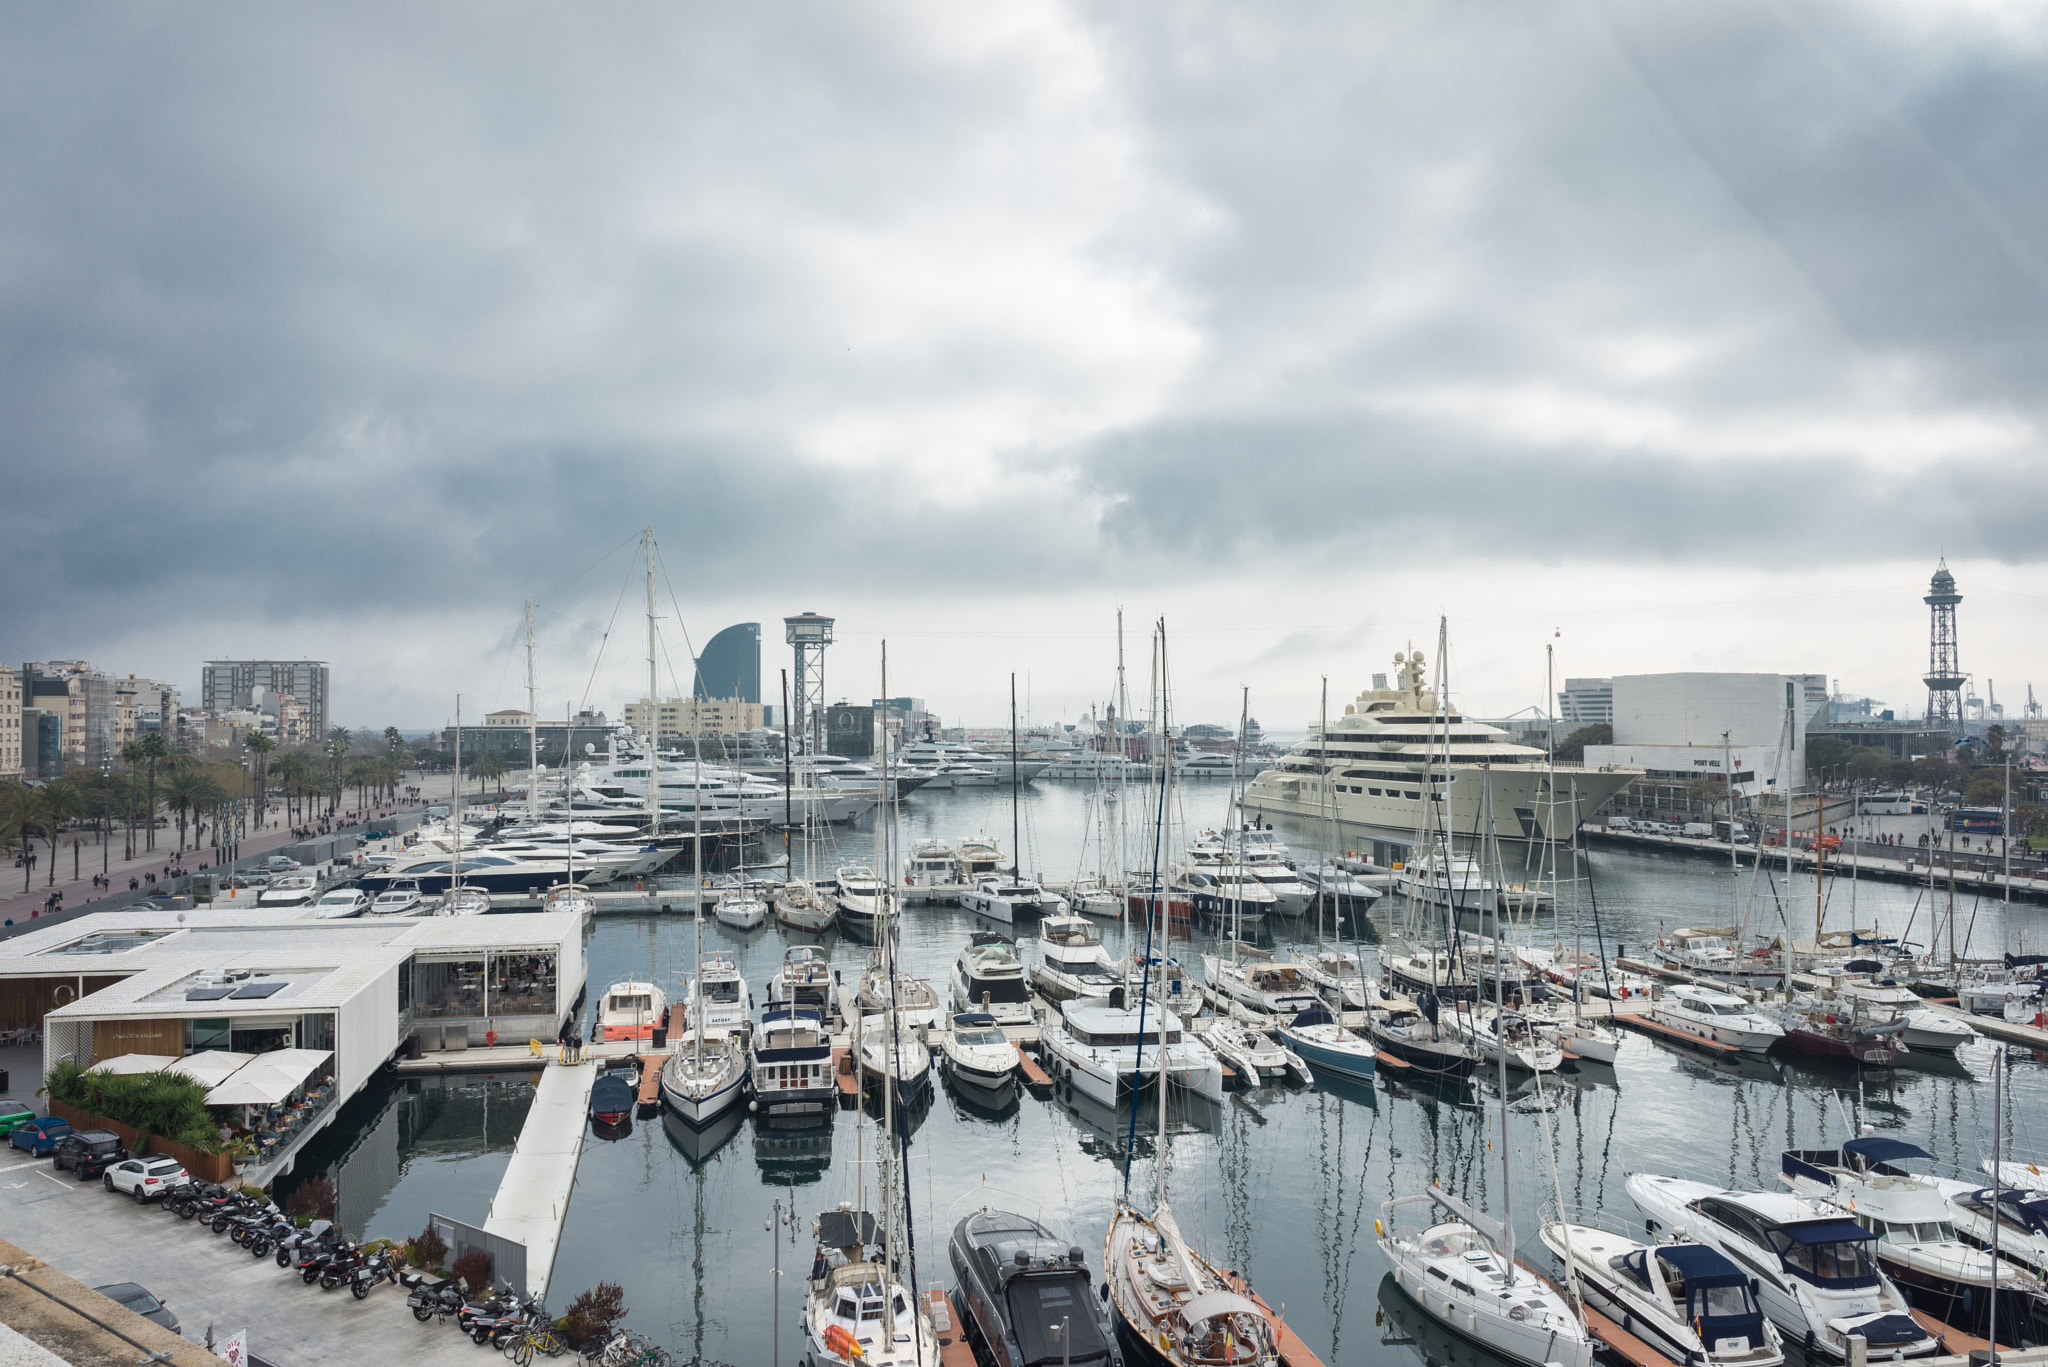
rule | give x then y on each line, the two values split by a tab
532	728
653	700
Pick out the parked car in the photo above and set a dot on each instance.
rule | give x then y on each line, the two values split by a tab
145	1178
280	863
13	1113
247	878
89	1152
1620	823
136	1298
40	1135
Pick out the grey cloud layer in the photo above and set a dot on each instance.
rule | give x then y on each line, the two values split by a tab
374	298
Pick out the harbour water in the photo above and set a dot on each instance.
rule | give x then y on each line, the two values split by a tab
1280	1183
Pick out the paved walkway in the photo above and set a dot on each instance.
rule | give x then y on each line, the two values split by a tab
533	1199
99	1237
17	907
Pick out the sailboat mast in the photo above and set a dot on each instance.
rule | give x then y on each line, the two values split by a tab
1165	905
653	700
1326	892
1507	1195
532	728
455	807
1016	844
788	775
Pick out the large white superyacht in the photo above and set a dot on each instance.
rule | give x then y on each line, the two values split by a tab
1368	769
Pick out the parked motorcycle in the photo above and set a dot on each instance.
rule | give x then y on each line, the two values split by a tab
228	1213
338	1268
308	1257
203	1198
496	1328
378	1267
429	1299
257	1222
340	1251
289	1246
267	1234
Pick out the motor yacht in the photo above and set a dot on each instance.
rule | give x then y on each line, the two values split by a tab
1870	1180
1925	1029
399	899
719	994
1709	952
889	1052
978	857
989	978
1071	961
791	1062
289	890
1709	1014
1251	978
801	906
1688	1301
629	1010
2022	1219
1816	1276
1005	898
341	903
1095	1049
805	978
1367	770
1448	880
1321	1040
913	1000
860	896
1462	1272
484	870
1027	1293
741	910
976	1050
933	865
1228	897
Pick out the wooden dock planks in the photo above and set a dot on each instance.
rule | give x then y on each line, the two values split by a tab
1617	1339
1034	1076
954	1350
1954	1340
1659	1030
847	1079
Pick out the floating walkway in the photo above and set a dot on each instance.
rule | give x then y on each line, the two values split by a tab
954	1350
1998	1027
533	1199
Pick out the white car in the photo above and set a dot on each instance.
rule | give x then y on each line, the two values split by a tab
144	1178
341	902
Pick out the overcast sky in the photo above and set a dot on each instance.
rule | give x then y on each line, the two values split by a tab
1674	335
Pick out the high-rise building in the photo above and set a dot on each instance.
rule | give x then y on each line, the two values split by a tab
730	666
95	711
230	686
10	724
1585	702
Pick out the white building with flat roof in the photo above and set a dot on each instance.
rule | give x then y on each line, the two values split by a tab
1673	726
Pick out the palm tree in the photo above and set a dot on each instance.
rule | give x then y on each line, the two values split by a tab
152	750
487	765
17	816
50	806
337	752
260	745
190	790
394	741
361	775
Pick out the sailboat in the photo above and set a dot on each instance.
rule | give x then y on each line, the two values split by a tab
858	1305
800	904
1172	1308
707	1077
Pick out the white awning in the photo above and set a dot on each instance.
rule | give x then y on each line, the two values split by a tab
1210	1304
252	1087
213	1067
135	1063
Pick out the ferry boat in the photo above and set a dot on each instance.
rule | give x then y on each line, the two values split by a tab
1367	771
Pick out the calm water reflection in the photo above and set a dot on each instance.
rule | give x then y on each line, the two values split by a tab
1282	1183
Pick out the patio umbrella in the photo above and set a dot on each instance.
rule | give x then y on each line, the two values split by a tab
252	1088
213	1067
135	1063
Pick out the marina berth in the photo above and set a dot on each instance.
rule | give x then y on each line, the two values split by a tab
1816	1275
1366	771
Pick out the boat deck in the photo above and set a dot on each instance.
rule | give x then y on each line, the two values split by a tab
1293	1352
954	1350
1612	1336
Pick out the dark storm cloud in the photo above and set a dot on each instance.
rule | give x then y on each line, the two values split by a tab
342	308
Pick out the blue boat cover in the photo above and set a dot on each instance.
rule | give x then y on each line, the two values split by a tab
1701	1266
1873	1148
1315	1015
1826	1232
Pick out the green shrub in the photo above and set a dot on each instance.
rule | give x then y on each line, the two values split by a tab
160	1103
429	1248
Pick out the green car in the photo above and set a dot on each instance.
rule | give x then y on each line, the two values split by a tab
13	1113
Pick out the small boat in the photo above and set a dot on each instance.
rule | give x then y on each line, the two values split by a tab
988	978
1319	1038
800	906
1006	897
1711	1014
465	902
1255	1058
741	910
976	1050
1418	1040
629	1010
1071	961
1686	1300
401	898
889	1053
791	1064
611	1099
717	996
1463	1273
1027	1293
859	897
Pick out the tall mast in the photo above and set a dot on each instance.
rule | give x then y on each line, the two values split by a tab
1165	903
532	728
1244	712
788	776
1016	844
455	808
653	700
1327	889
1734	862
1507	1202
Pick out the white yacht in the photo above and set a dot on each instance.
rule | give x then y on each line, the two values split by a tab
399	899
860	896
1722	1017
1006	897
290	890
1462	1272
1095	1049
921	756
913	1000
1507	1037
1454	880
1367	771
1924	1027
1251	978
933	864
2022	1217
976	1050
989	978
341	903
1174	1302
1255	1056
1869	1180
805	979
802	906
1689	1302
718	995
704	1078
741	910
856	1313
889	1053
1090	896
1815	1275
1072	962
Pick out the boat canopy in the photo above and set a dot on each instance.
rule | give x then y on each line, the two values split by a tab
848	1229
1877	1151
1315	1015
2027	1209
1040	1305
1211	1304
1825	1232
1700	1265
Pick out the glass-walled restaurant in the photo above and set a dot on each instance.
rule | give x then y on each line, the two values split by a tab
456	997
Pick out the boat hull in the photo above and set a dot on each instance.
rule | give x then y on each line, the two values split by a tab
1359	1063
701	1111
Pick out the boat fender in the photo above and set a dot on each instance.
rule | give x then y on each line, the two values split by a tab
1105	1291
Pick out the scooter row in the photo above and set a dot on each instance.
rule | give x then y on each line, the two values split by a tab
320	1253
488	1319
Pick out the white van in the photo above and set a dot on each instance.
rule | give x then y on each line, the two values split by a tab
1698	830
1620	823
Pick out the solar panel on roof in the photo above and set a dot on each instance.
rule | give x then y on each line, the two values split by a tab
207	994
259	990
